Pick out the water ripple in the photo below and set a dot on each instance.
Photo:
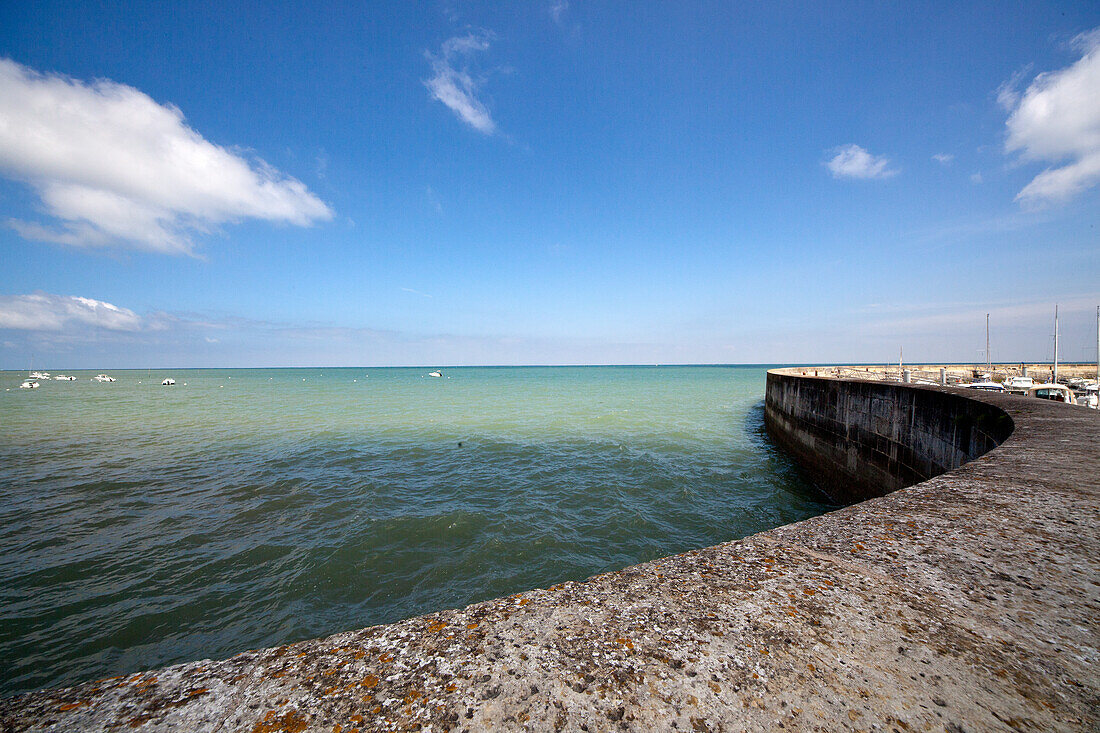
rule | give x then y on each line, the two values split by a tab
143	526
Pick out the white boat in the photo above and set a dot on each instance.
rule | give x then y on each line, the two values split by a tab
1089	396
63	378
1019	384
28	384
168	382
435	374
40	375
986	385
1055	392
102	378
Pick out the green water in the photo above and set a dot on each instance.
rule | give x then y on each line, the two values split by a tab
143	525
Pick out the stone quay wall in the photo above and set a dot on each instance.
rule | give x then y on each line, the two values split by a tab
966	602
860	439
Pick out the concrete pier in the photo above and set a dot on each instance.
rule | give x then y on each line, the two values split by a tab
966	602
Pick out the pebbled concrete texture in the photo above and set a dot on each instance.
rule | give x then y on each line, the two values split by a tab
968	602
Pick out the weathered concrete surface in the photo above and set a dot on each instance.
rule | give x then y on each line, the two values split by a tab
861	439
968	602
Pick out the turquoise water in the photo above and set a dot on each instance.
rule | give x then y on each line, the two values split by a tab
143	525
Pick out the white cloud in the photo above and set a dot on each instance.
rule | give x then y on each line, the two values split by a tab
976	177
47	312
852	161
558	9
1057	120
453	84
943	158
119	169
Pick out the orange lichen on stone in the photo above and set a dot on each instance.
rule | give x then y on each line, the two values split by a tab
471	626
71	706
146	684
625	642
437	626
370	681
289	722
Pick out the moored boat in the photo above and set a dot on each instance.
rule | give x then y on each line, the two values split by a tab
985	384
1088	395
1054	392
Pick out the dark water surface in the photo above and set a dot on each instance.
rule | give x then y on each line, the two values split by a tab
143	525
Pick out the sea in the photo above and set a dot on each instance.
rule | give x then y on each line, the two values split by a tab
143	525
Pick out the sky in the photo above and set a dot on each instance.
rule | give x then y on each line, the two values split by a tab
548	182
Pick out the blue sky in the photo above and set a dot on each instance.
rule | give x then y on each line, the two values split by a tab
546	182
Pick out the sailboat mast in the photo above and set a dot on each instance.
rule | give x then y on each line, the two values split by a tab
988	359
1054	377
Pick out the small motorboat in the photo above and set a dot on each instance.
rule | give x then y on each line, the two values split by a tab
63	378
40	375
1089	397
985	384
168	382
28	384
435	374
1019	385
1055	392
102	378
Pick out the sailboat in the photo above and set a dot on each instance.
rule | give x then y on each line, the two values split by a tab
1052	390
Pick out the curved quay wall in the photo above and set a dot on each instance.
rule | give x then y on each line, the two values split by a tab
966	602
862	439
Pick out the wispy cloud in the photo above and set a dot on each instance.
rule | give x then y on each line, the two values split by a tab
946	318
47	312
433	199
455	85
943	158
118	169
1057	120
852	161
558	9
87	333
417	292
